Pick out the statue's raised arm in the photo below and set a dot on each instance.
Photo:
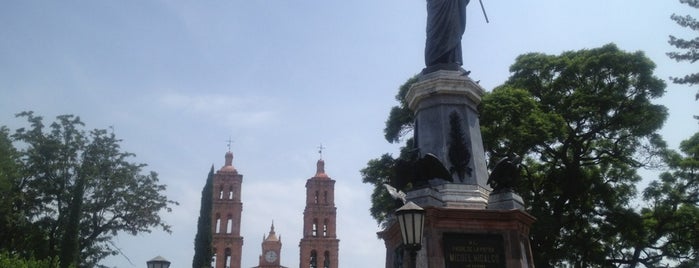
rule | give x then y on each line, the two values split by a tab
446	23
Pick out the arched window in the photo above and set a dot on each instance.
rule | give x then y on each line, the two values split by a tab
314	230
315	200
220	192
314	259
325	227
228	258
326	260
230	193
325	196
218	223
213	258
229	225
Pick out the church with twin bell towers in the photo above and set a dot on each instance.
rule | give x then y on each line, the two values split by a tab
319	245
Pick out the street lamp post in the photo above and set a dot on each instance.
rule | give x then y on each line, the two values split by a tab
411	218
158	262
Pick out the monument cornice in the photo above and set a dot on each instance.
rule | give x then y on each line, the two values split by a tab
444	82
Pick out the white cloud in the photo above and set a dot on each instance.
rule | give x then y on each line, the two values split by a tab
225	110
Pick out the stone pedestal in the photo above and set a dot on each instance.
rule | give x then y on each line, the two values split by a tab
452	195
505	201
446	125
465	226
435	99
466	238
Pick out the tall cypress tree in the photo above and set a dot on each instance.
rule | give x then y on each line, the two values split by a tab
202	241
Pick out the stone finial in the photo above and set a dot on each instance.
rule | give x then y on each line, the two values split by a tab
229	158
320	169
229	163
272	235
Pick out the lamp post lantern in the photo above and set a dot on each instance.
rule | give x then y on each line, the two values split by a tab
158	262
411	218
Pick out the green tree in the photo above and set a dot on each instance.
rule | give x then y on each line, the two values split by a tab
202	240
665	233
68	175
669	233
585	122
381	171
401	119
69	250
15	228
8	260
689	47
9	169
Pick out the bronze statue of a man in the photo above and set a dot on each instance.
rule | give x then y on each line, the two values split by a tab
446	23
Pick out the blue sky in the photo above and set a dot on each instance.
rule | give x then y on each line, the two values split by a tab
176	79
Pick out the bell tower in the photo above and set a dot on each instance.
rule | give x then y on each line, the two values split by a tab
225	212
319	247
271	250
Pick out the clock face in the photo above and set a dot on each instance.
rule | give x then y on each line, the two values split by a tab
270	256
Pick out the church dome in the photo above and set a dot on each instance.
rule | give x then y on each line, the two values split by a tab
320	169
228	167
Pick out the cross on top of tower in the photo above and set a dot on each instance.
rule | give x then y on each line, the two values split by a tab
320	165
229	143
320	150
229	158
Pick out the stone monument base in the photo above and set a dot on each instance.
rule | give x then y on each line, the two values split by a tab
446	102
452	195
456	237
505	201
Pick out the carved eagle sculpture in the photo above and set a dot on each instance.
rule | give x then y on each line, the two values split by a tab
419	172
506	174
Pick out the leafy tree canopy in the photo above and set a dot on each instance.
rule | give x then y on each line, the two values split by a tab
380	171
8	260
585	122
55	169
689	48
669	233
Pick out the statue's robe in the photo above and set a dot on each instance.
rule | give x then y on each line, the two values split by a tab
446	23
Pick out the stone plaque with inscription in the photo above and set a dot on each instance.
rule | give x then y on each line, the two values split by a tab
473	250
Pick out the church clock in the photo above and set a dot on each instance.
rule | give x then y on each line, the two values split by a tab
270	256
271	249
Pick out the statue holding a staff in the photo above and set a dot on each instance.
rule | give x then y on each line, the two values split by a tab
446	23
